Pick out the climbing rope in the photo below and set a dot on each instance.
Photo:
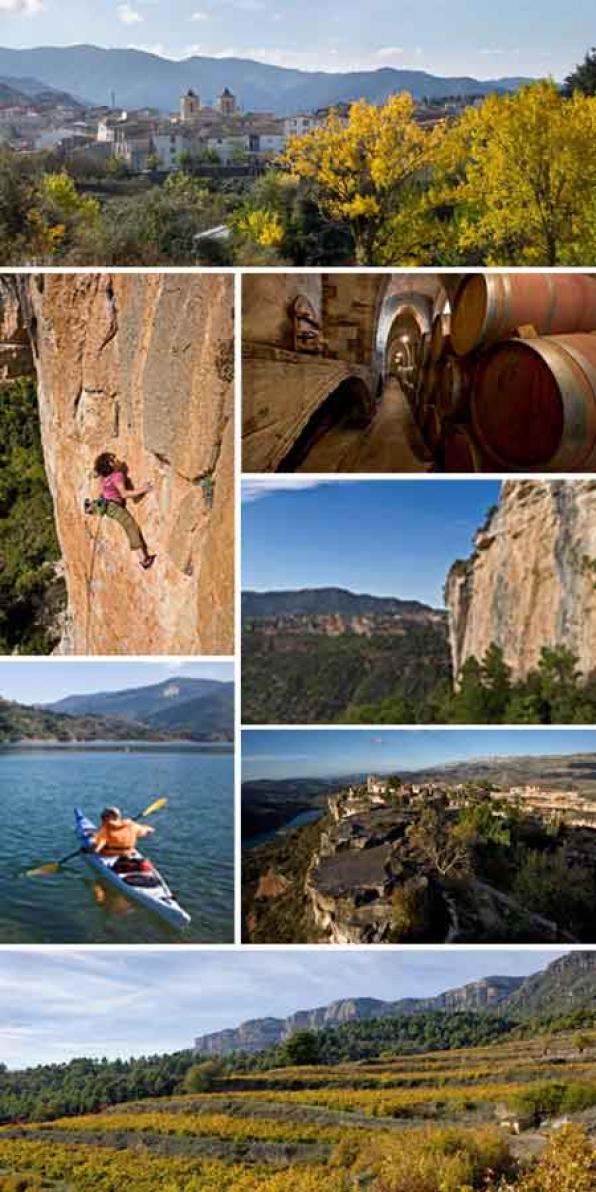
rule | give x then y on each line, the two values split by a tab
89	583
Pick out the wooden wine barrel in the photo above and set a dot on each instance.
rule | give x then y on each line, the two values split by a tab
439	337
425	347
460	452
534	403
453	388
490	307
432	430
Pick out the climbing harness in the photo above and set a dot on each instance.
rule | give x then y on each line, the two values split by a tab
95	505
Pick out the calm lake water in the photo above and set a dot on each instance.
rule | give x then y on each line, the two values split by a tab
299	821
193	845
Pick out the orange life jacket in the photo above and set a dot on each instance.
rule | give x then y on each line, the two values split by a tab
118	836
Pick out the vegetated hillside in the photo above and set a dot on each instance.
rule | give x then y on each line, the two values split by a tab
21	723
268	804
30	92
198	707
448	859
566	986
326	602
314	655
415	1120
260	1033
142	79
569	771
32	591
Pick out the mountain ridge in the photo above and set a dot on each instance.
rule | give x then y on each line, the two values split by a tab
141	78
326	601
568	982
201	709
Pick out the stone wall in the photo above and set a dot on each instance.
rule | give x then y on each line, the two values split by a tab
267	300
282	388
140	366
531	581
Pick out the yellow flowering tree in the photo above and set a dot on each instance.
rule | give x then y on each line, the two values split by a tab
262	226
60	215
567	1165
518	172
358	170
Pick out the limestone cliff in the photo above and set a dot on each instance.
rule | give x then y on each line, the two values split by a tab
259	1033
531	580
140	366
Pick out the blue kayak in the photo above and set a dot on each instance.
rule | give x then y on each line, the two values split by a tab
133	875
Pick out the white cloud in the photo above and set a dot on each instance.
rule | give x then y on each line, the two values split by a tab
28	7
255	490
199	16
389	52
128	15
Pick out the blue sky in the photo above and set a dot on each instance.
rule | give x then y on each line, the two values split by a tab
131	1002
460	37
39	682
312	753
385	538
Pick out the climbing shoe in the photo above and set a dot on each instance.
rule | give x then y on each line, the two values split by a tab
147	563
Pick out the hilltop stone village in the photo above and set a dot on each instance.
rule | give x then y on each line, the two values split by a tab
205	132
369	848
398	860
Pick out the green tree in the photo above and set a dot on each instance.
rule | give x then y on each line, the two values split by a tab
496	681
583	77
202	1077
31	594
469	704
301	1049
582	1041
560	683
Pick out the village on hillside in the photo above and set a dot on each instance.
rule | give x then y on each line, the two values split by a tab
202	132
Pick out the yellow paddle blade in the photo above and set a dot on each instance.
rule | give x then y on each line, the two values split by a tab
42	870
157	806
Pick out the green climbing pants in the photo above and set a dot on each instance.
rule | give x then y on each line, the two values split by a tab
126	520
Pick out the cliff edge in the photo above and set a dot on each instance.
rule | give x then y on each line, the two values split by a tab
531	580
142	366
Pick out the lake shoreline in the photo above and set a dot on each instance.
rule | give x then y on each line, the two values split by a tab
120	745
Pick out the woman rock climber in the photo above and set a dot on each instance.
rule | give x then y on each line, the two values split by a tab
114	493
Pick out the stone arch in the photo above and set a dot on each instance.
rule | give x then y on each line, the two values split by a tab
346	404
409	320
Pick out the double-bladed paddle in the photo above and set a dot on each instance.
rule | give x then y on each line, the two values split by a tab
54	866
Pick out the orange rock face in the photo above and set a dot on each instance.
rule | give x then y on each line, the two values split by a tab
140	366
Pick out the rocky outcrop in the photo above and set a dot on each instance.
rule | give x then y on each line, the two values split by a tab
531	581
569	983
15	350
488	993
140	365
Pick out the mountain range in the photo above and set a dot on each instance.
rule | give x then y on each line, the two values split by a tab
197	709
568	984
315	656
140	79
306	602
202	708
19	92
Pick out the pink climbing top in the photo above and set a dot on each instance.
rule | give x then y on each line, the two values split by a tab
111	487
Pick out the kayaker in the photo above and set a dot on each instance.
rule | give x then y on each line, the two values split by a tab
114	492
117	837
